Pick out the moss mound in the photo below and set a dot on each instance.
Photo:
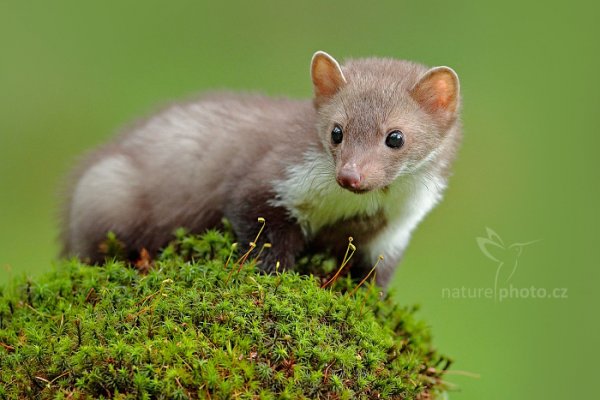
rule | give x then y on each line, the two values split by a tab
191	328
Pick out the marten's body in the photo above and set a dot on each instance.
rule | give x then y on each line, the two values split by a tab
249	156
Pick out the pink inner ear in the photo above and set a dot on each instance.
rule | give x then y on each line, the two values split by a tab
326	84
444	93
327	78
437	93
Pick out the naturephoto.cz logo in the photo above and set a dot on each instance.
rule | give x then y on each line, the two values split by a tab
505	260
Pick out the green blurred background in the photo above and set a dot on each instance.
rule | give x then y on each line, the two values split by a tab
72	73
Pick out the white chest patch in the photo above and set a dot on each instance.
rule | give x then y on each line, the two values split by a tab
313	197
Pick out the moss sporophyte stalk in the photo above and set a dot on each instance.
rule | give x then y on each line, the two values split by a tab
201	322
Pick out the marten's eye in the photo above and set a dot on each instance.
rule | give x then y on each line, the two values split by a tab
336	134
395	139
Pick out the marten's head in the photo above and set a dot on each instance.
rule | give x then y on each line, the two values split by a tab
382	118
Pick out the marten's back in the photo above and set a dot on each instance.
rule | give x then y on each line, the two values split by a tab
181	166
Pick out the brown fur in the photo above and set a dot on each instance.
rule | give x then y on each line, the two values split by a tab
221	155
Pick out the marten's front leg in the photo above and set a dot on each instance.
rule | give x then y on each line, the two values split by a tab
284	235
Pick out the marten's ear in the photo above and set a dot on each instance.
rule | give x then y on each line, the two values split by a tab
327	76
438	93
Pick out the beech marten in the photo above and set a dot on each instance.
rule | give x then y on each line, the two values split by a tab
368	157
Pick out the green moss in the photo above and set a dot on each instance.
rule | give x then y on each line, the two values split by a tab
190	328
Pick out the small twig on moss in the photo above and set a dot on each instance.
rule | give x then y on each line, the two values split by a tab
264	246
60	376
41	314
233	248
242	260
90	293
364	301
145	299
42	379
350	249
7	347
461	373
366	277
